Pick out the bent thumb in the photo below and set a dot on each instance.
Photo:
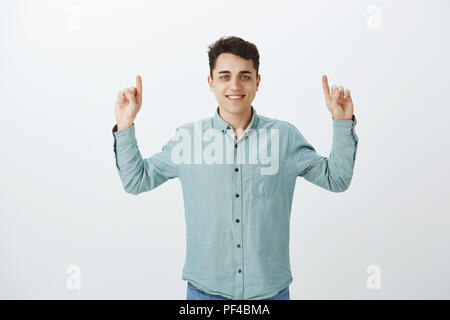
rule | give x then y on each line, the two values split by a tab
130	96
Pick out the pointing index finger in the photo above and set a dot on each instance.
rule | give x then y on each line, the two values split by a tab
139	84
326	89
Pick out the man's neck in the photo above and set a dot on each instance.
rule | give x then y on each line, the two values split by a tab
239	121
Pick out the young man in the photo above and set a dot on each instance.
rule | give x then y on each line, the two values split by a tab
238	171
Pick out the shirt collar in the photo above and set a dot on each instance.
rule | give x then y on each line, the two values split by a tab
223	126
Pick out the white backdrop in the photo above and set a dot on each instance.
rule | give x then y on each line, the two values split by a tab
62	203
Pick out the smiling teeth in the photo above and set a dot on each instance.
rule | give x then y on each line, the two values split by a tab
235	97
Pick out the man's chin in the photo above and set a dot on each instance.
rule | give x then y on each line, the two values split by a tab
235	108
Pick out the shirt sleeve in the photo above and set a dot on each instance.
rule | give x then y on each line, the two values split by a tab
335	172
137	174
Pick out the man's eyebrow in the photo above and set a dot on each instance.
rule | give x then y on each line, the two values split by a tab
243	71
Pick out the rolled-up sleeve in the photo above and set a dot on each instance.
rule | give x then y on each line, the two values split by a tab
137	174
334	172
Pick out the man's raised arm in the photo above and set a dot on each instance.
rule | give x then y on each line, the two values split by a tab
137	174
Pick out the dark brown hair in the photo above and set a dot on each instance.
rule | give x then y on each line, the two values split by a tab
234	45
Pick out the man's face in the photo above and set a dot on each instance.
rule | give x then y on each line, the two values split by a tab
234	76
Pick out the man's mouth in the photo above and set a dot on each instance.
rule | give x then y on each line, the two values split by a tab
235	97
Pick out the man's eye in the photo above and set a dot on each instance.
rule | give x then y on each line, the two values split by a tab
246	77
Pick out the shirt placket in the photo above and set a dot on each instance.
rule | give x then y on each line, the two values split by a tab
237	218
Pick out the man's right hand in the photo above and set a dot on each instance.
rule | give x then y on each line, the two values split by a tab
128	104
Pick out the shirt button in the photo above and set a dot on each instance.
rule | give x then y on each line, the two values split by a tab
237	195
235	145
238	245
236	169
237	220
239	270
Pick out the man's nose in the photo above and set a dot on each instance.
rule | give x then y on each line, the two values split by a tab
236	84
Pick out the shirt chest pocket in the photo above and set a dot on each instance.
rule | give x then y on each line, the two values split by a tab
268	181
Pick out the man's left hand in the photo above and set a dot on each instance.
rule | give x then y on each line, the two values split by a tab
338	101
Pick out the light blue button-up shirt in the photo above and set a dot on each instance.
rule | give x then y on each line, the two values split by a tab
237	194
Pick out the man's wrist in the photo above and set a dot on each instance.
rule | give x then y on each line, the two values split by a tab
121	126
341	118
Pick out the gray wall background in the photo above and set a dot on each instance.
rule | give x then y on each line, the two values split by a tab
62	202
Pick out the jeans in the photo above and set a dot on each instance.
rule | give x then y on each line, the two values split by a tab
196	294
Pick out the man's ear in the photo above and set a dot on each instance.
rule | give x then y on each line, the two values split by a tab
257	81
210	82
